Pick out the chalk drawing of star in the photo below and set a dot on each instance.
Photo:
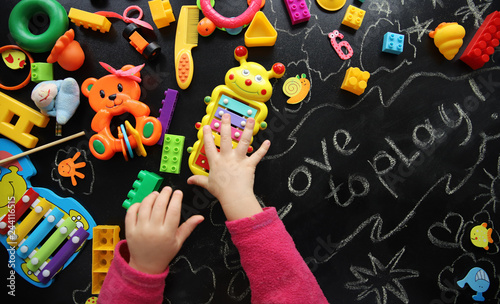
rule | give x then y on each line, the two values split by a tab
420	28
474	11
381	280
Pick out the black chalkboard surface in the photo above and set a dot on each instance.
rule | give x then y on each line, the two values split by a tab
379	191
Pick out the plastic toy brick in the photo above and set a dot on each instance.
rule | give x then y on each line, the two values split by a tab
103	248
41	71
161	12
167	111
260	32
89	20
27	118
393	43
353	17
171	155
298	11
355	81
484	42
146	183
148	50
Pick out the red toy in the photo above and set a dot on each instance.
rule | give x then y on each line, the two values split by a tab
113	95
483	43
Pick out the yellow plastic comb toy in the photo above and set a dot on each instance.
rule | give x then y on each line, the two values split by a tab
186	38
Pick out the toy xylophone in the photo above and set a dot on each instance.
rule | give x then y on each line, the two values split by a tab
41	231
243	96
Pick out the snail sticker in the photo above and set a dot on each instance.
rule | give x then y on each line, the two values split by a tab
296	88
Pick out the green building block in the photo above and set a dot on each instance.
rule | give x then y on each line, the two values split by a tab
41	71
171	155
146	183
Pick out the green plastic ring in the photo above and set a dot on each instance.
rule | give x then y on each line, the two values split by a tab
21	15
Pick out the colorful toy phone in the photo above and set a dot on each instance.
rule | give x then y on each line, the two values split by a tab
243	96
29	215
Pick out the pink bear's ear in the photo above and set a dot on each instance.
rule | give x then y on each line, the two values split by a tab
87	86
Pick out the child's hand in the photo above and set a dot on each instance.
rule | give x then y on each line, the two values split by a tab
232	172
153	233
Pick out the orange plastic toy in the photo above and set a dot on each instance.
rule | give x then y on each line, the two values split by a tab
67	52
113	95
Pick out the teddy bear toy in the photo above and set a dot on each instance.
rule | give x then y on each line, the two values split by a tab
113	95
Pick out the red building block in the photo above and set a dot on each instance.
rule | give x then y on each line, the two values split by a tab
483	43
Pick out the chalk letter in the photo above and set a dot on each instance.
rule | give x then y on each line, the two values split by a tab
433	135
407	161
326	165
392	162
291	179
454	124
348	138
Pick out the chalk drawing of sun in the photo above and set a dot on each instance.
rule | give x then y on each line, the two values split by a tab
493	188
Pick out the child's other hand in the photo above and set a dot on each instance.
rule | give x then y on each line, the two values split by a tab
153	233
232	172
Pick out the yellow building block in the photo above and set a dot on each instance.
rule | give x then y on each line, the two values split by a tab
161	12
104	242
355	81
89	20
353	17
26	119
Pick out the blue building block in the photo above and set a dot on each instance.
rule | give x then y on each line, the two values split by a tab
393	43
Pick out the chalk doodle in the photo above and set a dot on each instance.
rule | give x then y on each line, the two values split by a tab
381	191
380	281
85	185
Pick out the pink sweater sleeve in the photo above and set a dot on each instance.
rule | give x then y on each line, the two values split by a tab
275	269
124	284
